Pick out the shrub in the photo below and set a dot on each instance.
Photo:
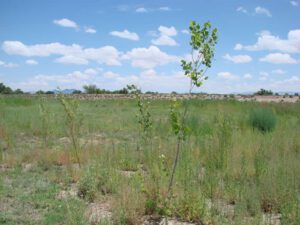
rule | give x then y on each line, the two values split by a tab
87	188
263	119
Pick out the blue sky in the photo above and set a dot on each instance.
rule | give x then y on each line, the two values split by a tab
67	44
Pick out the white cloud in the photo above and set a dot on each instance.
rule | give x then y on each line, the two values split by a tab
227	76
290	84
247	76
74	79
241	9
18	48
165	36
8	65
164	8
107	54
164	40
74	53
238	58
66	23
90	30
279	58
125	34
141	10
263	11
267	41
184	31
294	3
147	10
148	58
238	47
168	31
31	62
279	72
71	59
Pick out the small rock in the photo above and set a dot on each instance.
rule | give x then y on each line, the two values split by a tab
65	194
27	167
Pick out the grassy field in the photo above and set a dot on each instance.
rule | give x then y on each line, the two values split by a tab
94	166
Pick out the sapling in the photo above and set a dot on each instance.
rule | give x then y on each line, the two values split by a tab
144	116
202	42
46	121
73	123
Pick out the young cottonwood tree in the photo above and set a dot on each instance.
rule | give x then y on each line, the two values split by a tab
203	41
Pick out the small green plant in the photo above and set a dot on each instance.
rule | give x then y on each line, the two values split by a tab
88	183
46	121
73	122
263	119
144	116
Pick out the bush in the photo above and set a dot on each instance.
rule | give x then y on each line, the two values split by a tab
87	188
263	119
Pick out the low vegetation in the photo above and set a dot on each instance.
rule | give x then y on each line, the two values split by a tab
229	172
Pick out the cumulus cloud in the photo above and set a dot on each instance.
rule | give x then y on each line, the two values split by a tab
263	11
75	79
279	58
71	54
164	8
71	59
165	34
227	76
184	31
90	30
66	23
125	34
267	41
147	10
8	65
141	10
31	62
168	31
164	40
238	46
242	10
238	58
148	58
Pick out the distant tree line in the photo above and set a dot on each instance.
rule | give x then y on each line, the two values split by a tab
263	92
7	90
93	89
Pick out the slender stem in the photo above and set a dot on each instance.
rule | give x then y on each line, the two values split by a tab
175	165
179	139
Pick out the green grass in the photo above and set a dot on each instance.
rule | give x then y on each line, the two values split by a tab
224	163
29	198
